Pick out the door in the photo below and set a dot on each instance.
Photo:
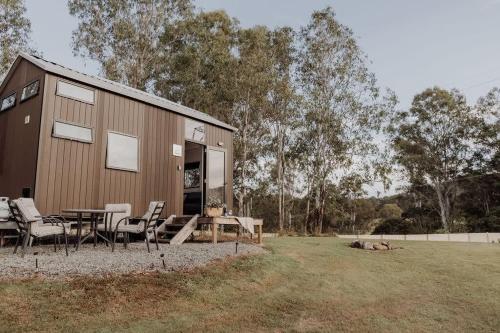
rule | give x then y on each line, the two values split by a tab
193	178
216	176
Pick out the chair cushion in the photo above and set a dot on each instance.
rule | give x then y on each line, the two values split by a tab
133	228
151	208
38	230
6	225
4	208
116	216
28	210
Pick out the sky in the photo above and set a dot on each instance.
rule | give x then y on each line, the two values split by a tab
412	45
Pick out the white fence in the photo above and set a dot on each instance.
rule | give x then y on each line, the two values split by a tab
484	237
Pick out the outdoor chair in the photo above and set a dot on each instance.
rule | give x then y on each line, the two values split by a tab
7	224
32	224
147	224
111	220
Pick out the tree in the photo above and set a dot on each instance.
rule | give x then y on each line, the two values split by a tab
488	153
390	211
282	116
123	35
198	63
15	30
434	141
252	85
351	188
343	106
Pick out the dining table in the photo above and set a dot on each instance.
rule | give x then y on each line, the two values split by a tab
94	220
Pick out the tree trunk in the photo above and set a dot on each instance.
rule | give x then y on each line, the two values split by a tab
243	192
308	207
321	214
280	185
444	206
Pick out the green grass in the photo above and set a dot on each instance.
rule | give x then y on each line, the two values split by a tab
304	284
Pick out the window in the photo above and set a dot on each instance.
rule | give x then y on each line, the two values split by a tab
73	91
123	152
216	175
30	90
72	132
194	130
8	102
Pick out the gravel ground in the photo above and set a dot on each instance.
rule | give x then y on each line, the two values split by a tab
100	261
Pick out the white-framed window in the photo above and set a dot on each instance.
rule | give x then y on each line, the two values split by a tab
122	152
76	92
65	130
30	90
8	102
194	130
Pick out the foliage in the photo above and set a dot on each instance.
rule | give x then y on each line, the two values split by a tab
343	107
311	119
214	202
433	142
123	35
15	30
390	211
197	63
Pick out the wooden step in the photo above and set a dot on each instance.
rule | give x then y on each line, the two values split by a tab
175	225
185	232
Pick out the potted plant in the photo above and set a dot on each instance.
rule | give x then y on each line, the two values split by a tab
214	207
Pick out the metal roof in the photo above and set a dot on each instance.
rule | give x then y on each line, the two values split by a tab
124	90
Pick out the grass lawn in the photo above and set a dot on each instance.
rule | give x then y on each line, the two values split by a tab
304	284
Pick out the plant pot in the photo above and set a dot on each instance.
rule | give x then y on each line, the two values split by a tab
213	212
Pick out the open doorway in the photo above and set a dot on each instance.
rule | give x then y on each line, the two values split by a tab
193	178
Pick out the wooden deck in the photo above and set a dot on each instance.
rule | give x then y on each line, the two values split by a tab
228	220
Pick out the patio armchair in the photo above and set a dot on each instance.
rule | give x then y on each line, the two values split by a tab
7	224
32	224
111	220
147	224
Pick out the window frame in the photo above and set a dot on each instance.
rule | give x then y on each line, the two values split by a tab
58	136
21	100
138	152
13	93
204	131
226	170
58	93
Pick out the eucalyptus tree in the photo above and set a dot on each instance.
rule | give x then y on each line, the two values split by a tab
283	115
250	92
435	141
489	137
343	106
198	63
123	36
15	30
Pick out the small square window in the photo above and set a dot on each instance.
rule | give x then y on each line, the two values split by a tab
30	90
122	152
8	102
194	130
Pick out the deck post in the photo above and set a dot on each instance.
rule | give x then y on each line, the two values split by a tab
259	233
214	232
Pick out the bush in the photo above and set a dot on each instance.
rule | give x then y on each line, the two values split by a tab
393	226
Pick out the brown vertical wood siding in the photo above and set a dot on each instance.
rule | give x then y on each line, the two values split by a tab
19	141
73	174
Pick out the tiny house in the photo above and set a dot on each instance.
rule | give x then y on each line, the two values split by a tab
71	140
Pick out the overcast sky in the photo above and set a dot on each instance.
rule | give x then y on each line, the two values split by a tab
412	44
